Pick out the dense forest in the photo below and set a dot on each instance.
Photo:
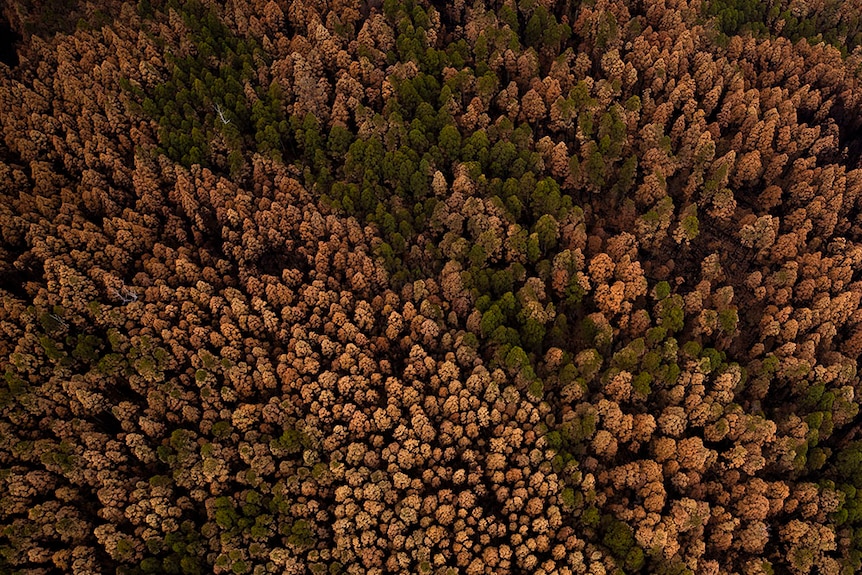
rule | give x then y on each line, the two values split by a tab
350	286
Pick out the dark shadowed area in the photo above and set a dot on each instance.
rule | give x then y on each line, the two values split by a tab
8	44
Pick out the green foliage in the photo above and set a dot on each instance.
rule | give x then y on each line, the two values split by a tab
626	177
672	567
728	320
204	101
491	320
222	429
716	359
735	16
848	464
829	23
179	552
293	441
548	231
641	383
671	314
87	348
576	431
692	349
544	33
52	350
691	226
591	517
596	167
628	357
450	141
225	513
533	334
568	497
608	30
301	535
634	560
619	538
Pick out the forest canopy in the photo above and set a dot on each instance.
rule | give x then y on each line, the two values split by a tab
533	286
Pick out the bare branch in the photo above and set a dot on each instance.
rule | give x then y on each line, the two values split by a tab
124	294
221	115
